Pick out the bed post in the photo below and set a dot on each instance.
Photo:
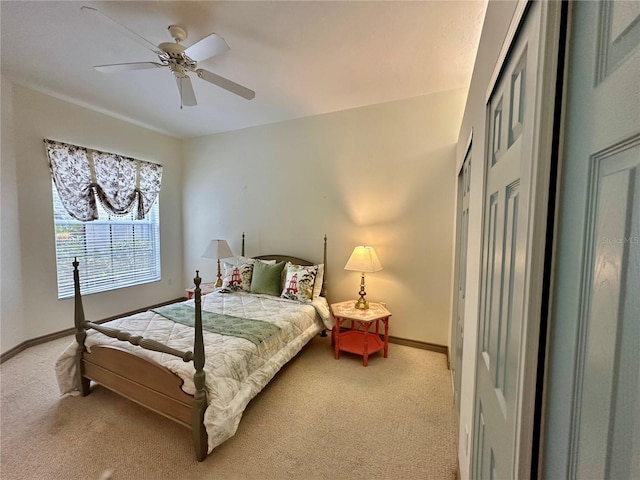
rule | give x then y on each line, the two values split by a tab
324	278
242	244
199	432
81	333
324	260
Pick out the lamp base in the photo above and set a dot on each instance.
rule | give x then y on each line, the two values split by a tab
362	304
218	283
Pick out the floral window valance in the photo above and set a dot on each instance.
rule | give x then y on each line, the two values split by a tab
120	183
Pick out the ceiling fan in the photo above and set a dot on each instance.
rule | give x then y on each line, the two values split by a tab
179	59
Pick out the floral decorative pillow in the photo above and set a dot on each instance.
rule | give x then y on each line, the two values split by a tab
317	287
299	282
237	277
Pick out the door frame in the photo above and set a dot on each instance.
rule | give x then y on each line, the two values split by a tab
540	223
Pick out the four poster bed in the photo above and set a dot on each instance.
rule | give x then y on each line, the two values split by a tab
201	361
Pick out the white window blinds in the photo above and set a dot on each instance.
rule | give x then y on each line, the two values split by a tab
113	251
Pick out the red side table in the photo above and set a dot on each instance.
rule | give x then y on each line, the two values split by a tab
361	342
204	289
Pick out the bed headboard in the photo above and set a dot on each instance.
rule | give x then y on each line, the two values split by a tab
297	261
285	258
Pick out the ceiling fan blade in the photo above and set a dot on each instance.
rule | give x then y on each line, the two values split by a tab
208	47
187	95
126	30
222	82
123	67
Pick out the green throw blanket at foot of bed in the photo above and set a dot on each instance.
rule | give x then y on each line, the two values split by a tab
262	334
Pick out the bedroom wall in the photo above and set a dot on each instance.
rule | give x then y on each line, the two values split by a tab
12	330
381	175
497	19
28	250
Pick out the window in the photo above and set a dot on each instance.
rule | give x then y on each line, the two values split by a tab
105	214
113	251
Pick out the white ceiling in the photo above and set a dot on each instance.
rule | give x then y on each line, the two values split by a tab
300	57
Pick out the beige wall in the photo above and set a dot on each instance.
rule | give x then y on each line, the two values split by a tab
382	175
12	327
497	20
30	307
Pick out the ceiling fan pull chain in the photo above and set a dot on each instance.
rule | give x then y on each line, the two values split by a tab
180	82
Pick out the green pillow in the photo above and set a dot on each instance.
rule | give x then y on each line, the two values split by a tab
267	278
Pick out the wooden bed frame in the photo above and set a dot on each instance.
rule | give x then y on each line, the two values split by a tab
147	383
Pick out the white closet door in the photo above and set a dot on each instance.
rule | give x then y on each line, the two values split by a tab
593	425
508	166
462	244
520	113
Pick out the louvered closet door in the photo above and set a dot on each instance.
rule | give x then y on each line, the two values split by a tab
508	166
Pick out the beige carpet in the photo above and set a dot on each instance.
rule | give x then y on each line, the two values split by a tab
318	419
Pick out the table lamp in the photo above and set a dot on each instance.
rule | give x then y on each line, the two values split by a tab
364	260
218	249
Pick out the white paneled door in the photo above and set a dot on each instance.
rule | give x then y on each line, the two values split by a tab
519	115
594	398
508	157
462	235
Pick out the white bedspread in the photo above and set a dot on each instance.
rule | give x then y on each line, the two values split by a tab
235	368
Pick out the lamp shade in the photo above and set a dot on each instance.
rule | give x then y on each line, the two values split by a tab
363	259
217	249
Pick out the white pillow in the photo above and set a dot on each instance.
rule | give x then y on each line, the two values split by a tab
242	259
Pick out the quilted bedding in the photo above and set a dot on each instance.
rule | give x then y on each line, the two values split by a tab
236	369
